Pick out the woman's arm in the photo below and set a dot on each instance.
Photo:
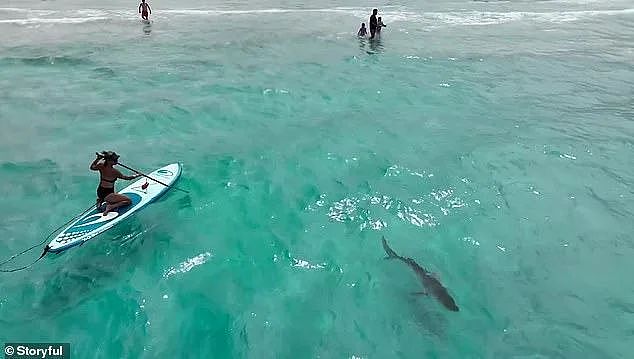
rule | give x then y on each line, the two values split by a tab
127	178
95	165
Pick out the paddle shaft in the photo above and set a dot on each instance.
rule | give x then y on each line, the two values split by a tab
153	179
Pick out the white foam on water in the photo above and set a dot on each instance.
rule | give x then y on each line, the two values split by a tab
91	12
582	2
235	12
27	11
64	20
567	156
187	265
453	18
468	18
306	265
15	9
475	18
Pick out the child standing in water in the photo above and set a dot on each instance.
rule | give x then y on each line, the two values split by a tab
143	9
379	25
362	31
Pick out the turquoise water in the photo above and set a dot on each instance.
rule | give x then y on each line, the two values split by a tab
492	142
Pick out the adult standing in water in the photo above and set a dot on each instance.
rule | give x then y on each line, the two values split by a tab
143	10
373	23
109	174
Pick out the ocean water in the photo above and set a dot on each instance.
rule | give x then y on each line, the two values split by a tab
492	142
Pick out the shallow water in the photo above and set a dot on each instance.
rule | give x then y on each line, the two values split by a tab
489	141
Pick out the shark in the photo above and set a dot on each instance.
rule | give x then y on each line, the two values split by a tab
431	284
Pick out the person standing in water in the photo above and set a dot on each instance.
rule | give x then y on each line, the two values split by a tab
109	174
379	25
373	23
143	9
362	31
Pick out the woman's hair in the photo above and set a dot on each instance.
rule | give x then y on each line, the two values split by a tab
110	156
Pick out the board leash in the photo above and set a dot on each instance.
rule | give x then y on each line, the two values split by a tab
39	244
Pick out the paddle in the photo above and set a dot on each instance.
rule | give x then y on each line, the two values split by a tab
153	179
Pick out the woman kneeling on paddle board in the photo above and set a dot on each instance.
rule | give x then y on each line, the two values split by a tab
109	174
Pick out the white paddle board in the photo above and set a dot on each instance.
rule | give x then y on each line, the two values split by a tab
94	222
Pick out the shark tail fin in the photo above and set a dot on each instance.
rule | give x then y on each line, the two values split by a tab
390	252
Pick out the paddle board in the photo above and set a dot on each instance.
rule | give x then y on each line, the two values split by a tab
94	222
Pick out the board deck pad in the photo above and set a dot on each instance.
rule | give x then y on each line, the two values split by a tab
94	222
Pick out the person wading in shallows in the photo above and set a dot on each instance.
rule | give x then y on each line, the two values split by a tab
379	25
362	31
373	23
143	9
